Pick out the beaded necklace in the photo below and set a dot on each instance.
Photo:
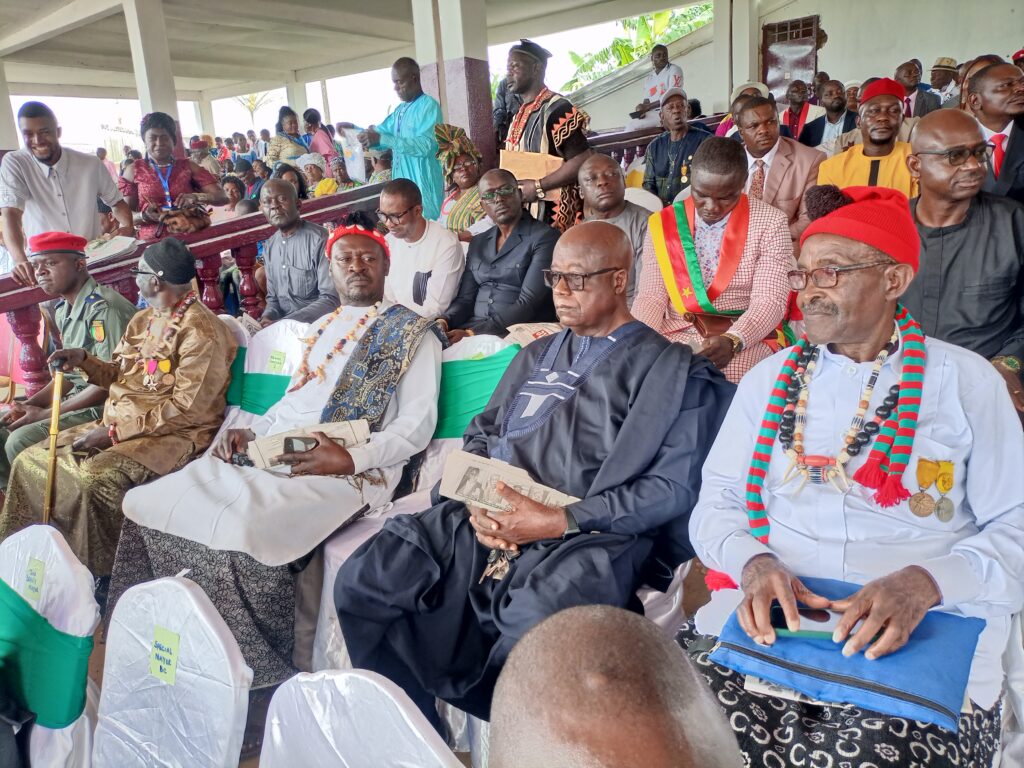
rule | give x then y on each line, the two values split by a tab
883	471
304	374
158	370
515	131
822	469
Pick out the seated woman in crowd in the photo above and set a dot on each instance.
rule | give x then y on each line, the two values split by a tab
461	163
339	172
320	139
380	163
314	168
160	182
287	145
293	176
234	188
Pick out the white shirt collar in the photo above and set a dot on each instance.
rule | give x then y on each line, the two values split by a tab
1006	132
767	159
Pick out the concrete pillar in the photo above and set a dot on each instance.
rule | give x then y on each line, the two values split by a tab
151	56
746	42
204	116
451	47
719	84
326	115
296	94
9	138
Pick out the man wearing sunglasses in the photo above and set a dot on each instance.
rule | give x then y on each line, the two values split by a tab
426	258
503	283
970	286
607	411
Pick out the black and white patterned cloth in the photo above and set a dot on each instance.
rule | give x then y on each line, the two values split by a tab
778	733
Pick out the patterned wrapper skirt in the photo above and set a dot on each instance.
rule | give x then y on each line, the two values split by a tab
777	733
87	501
256	601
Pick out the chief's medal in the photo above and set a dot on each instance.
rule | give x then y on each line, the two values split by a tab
921	503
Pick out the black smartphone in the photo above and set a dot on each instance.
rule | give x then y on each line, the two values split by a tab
818	623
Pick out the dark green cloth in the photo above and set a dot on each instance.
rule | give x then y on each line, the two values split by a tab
466	387
43	669
254	392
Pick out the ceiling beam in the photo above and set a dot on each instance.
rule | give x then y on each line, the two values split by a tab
87	91
205	69
55	21
241	88
573	18
380	60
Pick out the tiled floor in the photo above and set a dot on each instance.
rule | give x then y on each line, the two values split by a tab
695	593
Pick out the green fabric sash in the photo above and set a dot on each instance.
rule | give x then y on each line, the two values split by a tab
466	387
44	669
254	392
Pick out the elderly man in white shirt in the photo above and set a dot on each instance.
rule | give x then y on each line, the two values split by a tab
426	258
794	489
48	188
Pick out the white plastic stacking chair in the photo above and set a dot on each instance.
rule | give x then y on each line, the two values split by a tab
175	685
62	593
643	198
666	608
349	719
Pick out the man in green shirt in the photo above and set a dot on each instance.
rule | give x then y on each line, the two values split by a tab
90	316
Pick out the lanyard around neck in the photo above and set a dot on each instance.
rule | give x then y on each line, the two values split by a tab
165	181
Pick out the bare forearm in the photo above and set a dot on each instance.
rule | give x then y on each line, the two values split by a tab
567	173
14	235
90	397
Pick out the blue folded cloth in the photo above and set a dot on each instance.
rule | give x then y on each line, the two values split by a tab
925	680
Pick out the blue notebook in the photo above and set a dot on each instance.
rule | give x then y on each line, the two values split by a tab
925	680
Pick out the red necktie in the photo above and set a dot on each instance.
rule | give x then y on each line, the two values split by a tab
907	111
997	156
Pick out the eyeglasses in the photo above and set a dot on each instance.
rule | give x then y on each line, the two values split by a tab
957	156
465	166
392	218
140	272
826	277
575	281
506	191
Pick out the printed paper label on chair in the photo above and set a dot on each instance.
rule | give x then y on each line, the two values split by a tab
163	660
275	363
35	575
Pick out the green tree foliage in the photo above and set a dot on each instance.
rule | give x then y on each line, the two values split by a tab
640	34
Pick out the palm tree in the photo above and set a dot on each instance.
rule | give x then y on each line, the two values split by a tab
252	102
641	34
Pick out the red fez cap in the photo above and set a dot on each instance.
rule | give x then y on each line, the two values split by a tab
1017	56
56	241
885	86
878	216
198	144
355	229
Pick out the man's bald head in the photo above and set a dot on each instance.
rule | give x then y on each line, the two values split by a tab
600	687
938	128
949	156
596	245
600	255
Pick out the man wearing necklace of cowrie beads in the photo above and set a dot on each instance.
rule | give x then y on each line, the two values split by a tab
166	384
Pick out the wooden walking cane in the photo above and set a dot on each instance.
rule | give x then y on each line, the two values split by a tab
51	473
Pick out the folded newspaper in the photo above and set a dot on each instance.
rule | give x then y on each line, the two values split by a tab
524	333
472	479
105	250
263	450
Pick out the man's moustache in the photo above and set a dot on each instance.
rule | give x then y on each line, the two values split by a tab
820	308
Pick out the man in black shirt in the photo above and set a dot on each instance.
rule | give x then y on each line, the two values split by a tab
969	289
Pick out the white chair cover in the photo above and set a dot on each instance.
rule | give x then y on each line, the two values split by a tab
643	198
65	599
666	608
145	719
354	719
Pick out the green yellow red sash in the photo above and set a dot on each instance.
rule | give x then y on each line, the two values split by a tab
672	233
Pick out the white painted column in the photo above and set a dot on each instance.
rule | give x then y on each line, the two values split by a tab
9	138
746	40
204	116
151	56
426	22
719	84
296	94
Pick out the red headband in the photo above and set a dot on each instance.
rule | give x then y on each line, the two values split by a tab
373	234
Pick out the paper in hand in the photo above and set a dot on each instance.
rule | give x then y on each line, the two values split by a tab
263	450
473	479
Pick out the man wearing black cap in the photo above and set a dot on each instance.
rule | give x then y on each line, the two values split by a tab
88	315
547	124
167	381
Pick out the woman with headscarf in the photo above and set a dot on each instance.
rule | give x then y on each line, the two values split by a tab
461	164
287	144
339	172
314	168
320	139
159	182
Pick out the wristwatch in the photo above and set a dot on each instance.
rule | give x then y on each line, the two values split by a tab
737	342
571	526
540	191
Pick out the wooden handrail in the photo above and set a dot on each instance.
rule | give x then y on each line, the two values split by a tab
240	236
625	146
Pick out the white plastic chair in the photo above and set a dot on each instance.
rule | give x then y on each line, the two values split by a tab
175	686
350	719
643	198
62	594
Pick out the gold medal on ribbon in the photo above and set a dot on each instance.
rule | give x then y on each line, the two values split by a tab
921	503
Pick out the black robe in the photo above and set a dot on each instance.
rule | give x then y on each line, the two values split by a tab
630	443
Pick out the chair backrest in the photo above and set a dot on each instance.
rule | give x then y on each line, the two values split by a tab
175	685
353	718
644	199
236	328
39	565
277	349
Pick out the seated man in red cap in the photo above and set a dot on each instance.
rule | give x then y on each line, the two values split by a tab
246	532
166	380
90	316
899	474
881	160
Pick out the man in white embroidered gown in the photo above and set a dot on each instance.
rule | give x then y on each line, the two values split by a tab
246	533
